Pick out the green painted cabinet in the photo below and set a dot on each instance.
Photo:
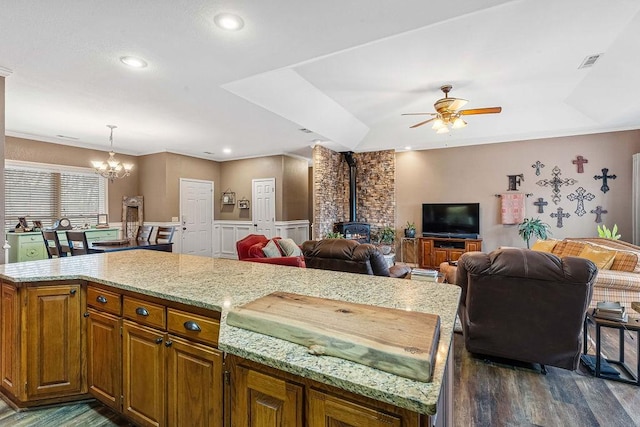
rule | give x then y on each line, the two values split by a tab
30	246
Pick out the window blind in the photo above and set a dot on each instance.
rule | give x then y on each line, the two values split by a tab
39	193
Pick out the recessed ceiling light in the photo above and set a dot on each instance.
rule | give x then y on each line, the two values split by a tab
226	150
228	21
407	148
134	62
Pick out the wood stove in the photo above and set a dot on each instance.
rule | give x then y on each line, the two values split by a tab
352	229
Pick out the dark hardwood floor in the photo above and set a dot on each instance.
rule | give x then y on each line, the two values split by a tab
486	393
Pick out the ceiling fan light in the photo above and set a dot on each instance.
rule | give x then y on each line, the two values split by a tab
438	124
443	129
458	123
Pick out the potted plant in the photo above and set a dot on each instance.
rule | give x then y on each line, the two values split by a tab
387	236
334	235
410	230
609	234
533	227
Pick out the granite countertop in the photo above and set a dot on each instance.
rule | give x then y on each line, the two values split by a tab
219	284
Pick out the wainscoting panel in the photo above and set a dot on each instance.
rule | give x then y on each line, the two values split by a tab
227	233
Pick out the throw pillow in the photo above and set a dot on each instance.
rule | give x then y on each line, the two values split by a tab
288	247
544	245
255	251
572	248
271	250
602	258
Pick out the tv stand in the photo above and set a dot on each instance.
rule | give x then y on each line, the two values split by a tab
436	250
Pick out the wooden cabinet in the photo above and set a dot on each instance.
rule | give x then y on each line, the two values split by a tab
54	345
194	384
264	396
162	369
10	339
436	250
328	410
104	360
260	399
29	246
143	384
42	344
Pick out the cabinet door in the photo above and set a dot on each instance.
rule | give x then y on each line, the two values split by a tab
104	361
54	349
143	382
264	400
327	410
454	254
194	384
473	246
10	354
427	248
440	256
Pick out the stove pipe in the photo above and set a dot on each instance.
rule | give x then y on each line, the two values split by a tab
351	161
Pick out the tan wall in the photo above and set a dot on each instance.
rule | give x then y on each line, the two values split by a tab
236	176
295	187
2	155
42	152
162	186
477	173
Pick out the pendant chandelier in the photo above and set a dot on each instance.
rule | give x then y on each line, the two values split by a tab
112	169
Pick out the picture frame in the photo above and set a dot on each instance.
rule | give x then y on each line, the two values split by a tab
22	222
228	198
243	204
103	220
37	225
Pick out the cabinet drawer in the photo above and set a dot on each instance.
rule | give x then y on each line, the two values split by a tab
144	312
193	326
32	250
104	300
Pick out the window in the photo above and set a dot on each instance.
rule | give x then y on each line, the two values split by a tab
47	192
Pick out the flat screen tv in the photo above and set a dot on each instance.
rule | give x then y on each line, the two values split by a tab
451	219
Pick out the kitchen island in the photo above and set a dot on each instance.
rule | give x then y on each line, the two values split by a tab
208	288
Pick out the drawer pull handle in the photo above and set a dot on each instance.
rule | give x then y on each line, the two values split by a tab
190	325
101	299
158	340
73	291
141	311
168	343
86	314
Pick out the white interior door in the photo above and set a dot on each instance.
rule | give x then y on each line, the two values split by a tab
264	206
196	216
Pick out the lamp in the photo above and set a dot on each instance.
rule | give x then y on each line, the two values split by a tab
447	120
112	168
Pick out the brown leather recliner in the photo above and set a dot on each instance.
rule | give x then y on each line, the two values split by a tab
525	305
349	256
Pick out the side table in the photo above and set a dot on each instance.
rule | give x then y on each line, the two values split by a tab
409	250
632	325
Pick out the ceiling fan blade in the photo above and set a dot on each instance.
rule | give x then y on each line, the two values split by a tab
422	123
417	114
489	110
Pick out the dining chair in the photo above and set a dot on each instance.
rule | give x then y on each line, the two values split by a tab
144	232
77	243
164	234
52	244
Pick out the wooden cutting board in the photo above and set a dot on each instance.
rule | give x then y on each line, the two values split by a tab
397	341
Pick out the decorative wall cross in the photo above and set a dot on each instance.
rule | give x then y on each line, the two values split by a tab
580	195
514	181
579	161
555	183
559	215
599	211
537	166
541	204
604	178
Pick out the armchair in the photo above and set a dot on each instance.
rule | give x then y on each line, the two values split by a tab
350	256
524	305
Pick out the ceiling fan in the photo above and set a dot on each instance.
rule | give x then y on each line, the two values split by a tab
448	112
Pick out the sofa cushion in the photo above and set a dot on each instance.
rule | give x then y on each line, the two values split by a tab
572	248
271	250
288	247
625	260
602	258
544	245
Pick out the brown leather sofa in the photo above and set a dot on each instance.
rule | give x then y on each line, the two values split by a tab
524	305
350	256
